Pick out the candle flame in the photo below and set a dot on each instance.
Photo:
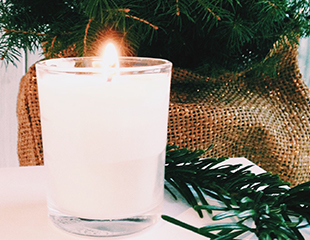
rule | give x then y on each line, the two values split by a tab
110	57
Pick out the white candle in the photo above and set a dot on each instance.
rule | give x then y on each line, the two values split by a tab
104	141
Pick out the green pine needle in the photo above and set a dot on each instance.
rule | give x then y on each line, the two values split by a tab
277	211
206	36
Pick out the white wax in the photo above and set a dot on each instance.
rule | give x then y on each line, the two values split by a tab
104	142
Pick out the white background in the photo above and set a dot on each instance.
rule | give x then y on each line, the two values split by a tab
9	84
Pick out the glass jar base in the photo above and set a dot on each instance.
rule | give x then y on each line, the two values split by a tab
103	228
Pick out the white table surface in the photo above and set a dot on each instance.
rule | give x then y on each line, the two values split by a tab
23	210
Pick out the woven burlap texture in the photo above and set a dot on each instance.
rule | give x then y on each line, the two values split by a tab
263	119
29	146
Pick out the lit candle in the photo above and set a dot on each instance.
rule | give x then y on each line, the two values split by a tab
104	135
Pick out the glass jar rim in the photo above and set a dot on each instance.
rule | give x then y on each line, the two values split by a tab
85	64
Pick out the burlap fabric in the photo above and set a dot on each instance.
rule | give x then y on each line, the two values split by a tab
263	119
29	146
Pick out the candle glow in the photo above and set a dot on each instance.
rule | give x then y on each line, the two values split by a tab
110	62
110	57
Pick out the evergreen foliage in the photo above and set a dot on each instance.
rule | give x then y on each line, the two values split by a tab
261	204
200	35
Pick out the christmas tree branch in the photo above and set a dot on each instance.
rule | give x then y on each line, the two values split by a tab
4	54
85	36
276	211
272	4
206	36
177	8
8	31
142	20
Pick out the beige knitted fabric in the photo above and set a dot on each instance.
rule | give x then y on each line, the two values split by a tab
263	119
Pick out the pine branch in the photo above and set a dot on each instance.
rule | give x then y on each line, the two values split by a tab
207	36
276	210
85	36
142	20
9	31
